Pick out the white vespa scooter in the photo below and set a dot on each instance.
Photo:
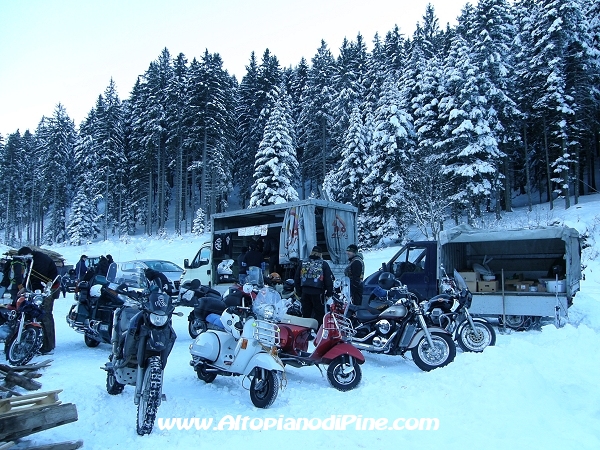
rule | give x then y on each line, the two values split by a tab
248	347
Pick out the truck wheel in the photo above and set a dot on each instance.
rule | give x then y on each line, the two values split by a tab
520	323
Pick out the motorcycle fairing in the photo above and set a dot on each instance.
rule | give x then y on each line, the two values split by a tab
342	349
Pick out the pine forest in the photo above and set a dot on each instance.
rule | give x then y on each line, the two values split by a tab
449	123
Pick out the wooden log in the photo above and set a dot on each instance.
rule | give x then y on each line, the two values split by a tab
5	389
36	366
24	424
24	382
6	445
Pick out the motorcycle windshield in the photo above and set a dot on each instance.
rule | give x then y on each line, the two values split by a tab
460	281
131	275
268	304
159	303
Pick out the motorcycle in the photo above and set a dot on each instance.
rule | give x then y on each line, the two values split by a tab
400	327
247	345
332	342
26	336
92	312
142	338
450	310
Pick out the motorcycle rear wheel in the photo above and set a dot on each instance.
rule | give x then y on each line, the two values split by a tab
20	353
475	340
441	355
151	394
195	327
343	377
90	342
264	387
113	387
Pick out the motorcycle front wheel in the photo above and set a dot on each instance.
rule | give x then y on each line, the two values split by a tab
90	342
342	375
264	387
151	393
441	354
195	327
21	352
475	340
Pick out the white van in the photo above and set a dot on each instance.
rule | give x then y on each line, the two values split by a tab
200	268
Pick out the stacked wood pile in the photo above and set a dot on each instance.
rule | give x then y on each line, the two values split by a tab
22	415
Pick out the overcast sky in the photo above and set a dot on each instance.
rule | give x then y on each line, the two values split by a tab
66	51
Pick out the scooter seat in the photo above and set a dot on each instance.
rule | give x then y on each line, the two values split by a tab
300	321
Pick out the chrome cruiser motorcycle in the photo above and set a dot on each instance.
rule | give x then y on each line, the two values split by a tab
450	310
400	327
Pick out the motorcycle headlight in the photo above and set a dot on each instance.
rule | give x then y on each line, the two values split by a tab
157	320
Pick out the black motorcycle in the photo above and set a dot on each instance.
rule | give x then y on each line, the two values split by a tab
399	326
142	339
25	335
450	310
92	313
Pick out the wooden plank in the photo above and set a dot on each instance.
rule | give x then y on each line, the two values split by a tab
66	445
5	445
21	425
17	404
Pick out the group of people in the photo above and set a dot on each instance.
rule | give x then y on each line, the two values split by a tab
259	251
43	270
314	281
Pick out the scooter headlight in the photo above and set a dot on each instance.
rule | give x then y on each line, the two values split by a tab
157	320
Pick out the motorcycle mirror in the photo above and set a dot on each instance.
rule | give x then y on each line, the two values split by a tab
178	313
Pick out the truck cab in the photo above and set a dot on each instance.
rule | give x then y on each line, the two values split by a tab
414	265
200	268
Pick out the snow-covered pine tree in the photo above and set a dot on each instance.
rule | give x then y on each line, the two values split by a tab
199	222
276	164
344	183
392	140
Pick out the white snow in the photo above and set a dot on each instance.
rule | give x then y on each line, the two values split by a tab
534	389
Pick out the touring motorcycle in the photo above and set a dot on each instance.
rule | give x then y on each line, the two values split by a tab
142	338
450	310
400	327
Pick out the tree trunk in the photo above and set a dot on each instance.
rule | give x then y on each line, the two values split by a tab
548	172
527	174
203	184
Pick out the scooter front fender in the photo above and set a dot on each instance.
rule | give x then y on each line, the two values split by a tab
419	334
343	349
265	361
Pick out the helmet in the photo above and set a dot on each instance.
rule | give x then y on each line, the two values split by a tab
275	277
230	319
386	280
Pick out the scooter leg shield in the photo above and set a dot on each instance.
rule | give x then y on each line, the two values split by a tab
343	349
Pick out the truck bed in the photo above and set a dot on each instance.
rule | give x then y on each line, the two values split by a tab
519	303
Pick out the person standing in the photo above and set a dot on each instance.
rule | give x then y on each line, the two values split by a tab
253	257
242	269
313	282
17	277
271	252
43	271
355	271
81	268
103	264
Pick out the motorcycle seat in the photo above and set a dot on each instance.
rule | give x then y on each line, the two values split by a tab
300	321
208	305
365	313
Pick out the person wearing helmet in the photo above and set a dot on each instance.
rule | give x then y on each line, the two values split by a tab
355	271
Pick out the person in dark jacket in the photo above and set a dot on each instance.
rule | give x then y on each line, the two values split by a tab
271	252
103	264
355	271
43	271
253	256
242	269
81	268
314	282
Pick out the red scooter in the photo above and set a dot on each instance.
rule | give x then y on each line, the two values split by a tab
331	344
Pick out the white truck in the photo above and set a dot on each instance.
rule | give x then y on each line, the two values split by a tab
296	226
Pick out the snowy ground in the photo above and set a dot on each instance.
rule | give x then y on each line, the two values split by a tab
532	390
